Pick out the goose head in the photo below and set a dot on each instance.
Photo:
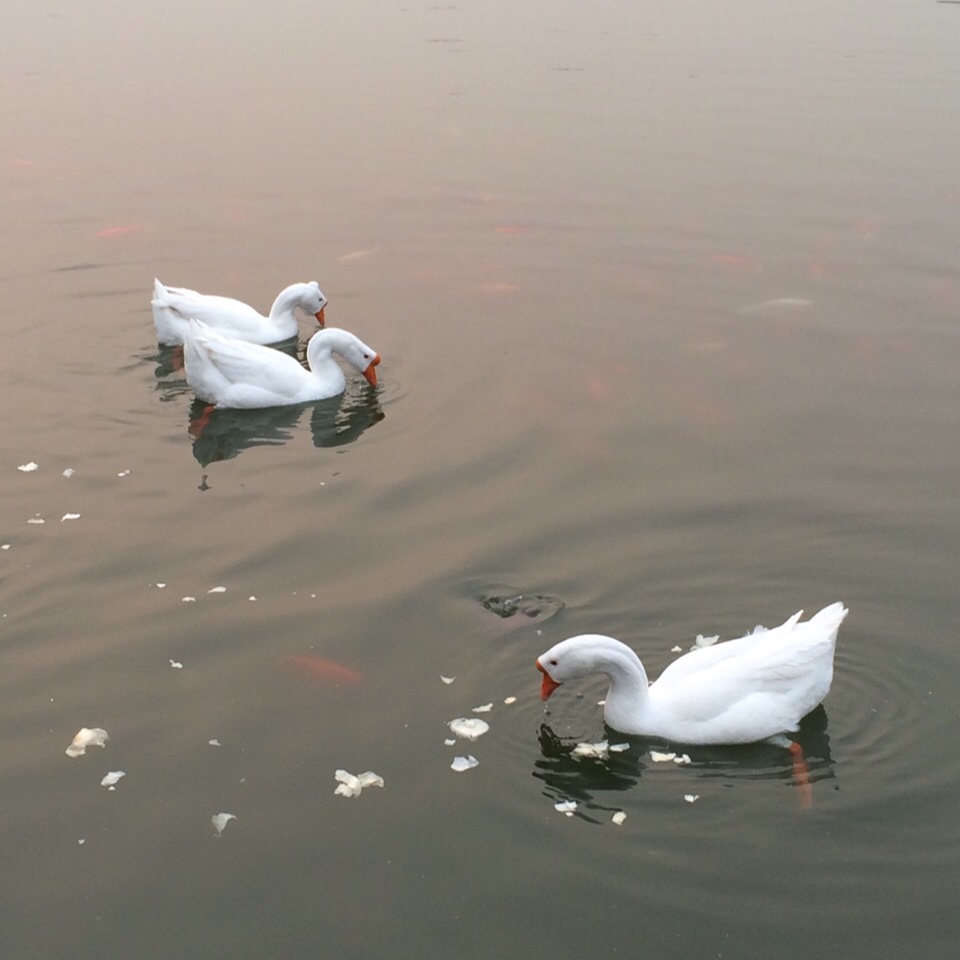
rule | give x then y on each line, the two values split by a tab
582	656
348	346
313	301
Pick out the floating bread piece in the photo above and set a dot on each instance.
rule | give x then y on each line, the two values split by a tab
352	784
220	820
469	728
464	763
596	750
87	737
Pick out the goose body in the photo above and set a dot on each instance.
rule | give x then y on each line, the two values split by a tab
740	691
230	373
174	307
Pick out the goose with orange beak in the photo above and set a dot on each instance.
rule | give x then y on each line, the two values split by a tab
174	307
741	691
233	374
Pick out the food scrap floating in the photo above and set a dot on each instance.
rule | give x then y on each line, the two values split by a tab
28	467
469	728
599	751
217	590
69	472
566	806
351	785
676	649
485	708
36	518
188	599
214	742
220	820
112	778
703	641
683	758
464	763
619	817
159	586
176	664
124	473
70	516
619	747
447	680
87	737
661	757
509	700
691	797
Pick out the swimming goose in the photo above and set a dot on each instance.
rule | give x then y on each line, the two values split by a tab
741	691
231	373
173	307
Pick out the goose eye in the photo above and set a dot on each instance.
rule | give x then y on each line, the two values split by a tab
553	663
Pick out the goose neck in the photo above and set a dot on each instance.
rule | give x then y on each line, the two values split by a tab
628	696
286	303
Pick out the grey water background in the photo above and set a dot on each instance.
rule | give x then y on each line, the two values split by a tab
667	297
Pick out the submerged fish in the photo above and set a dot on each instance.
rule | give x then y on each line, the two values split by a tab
319	668
120	231
777	305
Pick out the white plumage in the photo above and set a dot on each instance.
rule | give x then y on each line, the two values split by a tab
174	307
740	691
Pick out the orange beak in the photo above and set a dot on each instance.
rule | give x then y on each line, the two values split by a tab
321	319
370	373
547	684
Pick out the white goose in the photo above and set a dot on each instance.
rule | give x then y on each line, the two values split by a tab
173	307
741	691
231	373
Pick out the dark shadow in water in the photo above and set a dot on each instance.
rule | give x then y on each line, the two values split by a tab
506	601
333	423
567	777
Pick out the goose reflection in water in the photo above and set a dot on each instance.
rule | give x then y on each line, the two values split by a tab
333	423
226	433
568	777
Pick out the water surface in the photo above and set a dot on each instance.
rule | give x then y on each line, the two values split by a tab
667	301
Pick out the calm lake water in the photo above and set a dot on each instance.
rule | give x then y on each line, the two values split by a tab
667	296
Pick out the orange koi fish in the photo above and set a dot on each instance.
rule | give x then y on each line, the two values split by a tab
327	671
116	231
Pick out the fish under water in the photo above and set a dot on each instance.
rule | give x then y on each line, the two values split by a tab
327	671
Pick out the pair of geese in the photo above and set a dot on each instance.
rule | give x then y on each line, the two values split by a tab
755	688
225	354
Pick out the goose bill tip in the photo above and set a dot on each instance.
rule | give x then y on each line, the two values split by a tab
547	683
371	372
